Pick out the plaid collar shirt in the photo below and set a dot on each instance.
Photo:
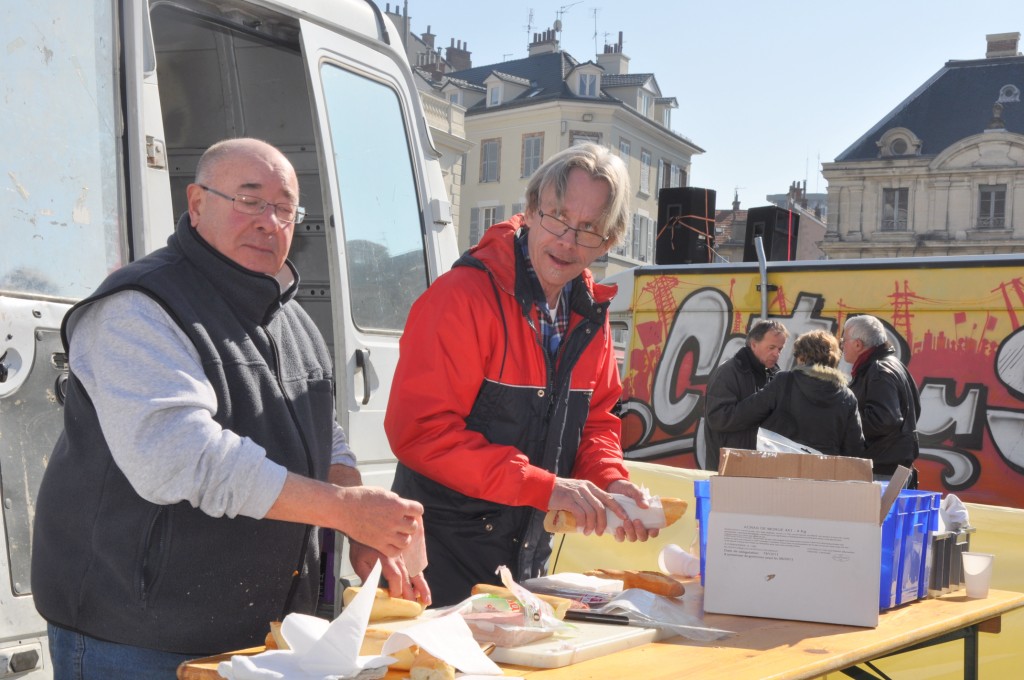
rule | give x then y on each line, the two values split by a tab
552	330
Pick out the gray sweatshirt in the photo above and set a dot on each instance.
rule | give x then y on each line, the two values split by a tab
158	417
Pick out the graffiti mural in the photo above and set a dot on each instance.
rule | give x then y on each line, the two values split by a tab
959	329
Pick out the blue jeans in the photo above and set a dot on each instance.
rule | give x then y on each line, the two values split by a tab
80	657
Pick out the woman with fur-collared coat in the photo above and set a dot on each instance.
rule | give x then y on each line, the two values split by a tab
811	404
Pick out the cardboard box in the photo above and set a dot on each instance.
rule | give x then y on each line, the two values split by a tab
795	536
744	463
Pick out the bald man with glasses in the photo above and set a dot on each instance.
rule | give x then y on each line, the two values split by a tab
177	516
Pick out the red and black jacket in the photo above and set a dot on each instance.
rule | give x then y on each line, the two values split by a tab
482	420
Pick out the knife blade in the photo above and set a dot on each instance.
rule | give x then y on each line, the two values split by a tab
594	617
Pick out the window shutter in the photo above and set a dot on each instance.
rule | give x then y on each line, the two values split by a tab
517	208
499	214
474	226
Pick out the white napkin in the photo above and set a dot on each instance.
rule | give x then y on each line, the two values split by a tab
318	650
575	581
652	517
449	639
773	441
953	514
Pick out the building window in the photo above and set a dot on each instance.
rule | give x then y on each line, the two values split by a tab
992	206
588	85
533	152
676	177
583	136
645	104
665	175
494	95
1008	93
894	209
490	216
645	171
490	160
454	98
482	218
624	149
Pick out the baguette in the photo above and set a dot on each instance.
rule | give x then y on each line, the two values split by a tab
651	581
274	640
559	604
563	521
428	667
385	606
373	642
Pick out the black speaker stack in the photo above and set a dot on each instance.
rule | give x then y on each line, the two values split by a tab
778	229
686	226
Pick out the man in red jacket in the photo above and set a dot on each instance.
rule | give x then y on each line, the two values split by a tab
501	406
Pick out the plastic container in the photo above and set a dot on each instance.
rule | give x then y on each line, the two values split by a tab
702	492
906	535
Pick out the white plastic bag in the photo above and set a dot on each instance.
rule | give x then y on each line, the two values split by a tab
773	441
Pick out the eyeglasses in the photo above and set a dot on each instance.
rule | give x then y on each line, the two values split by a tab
250	205
556	227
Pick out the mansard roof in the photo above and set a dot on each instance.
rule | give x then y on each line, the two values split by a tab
955	103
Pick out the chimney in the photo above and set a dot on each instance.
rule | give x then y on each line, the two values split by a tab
612	60
1002	45
428	39
458	56
544	43
736	201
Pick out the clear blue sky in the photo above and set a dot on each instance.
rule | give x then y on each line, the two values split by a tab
766	89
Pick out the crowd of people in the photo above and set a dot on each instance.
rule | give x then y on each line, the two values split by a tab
872	415
178	512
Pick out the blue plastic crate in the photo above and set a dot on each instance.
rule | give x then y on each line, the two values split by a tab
923	520
702	492
905	540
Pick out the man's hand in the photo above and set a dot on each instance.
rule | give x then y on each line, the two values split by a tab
363	557
379	518
633	530
367	514
586	502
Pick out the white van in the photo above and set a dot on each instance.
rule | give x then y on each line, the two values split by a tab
106	107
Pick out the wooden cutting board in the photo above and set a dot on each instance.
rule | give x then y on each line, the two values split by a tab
591	641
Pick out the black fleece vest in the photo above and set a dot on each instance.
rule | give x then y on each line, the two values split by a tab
114	566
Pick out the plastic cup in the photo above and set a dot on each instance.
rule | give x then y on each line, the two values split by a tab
674	560
977	573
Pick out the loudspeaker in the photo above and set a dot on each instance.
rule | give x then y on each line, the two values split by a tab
778	229
686	226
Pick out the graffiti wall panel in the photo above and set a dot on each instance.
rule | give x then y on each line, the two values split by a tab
959	331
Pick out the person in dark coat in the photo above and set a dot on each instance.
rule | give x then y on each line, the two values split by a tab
810	404
887	397
748	371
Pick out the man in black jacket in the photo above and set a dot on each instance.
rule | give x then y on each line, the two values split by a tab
749	370
887	397
200	449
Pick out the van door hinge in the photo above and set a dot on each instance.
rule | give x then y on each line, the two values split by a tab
156	154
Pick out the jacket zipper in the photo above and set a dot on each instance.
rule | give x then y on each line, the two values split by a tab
304	546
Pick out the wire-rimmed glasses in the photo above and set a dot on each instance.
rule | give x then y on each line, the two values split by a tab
556	227
251	205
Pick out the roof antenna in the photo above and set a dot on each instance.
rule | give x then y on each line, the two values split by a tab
562	10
